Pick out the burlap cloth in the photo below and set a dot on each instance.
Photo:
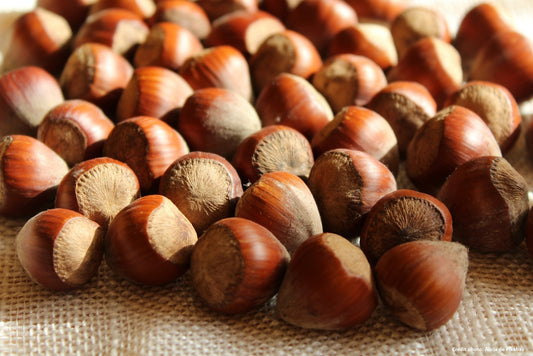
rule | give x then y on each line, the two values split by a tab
111	316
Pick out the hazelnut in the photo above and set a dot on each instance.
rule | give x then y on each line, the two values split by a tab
142	8
488	200
39	38
153	91
150	241
373	41
98	188
360	129
415	23
220	67
273	148
402	216
346	184
506	59
320	20
406	106
75	130
477	26
422	282
217	120
283	52
148	146
120	29
237	265
219	8
60	249
328	285
30	173
204	186
26	95
243	30
384	11
74	11
96	73
495	105
349	79
433	63
185	13
167	45
450	138
292	101
281	202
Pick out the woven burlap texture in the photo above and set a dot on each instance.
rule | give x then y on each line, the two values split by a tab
111	316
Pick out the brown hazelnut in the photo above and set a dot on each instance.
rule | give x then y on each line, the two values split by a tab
60	249
406	106
283	52
237	265
30	173
495	105
328	285
150	241
220	67
75	130
360	129
281	202
346	184
74	11
185	13
349	79
217	120
402	216
415	23
153	91
452	137
320	20
38	38
98	188
279	8
529	232
26	95
477	26
422	282
433	63
96	73
148	146
488	200
204	186
273	148
370	40
243	30
506	59
119	29
167	45
292	101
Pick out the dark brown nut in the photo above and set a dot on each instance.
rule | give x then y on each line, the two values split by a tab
150	241
488	200
346	184
60	249
273	148
402	216
237	265
282	202
204	186
328	285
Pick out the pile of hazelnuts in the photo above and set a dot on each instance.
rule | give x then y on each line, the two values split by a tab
256	146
